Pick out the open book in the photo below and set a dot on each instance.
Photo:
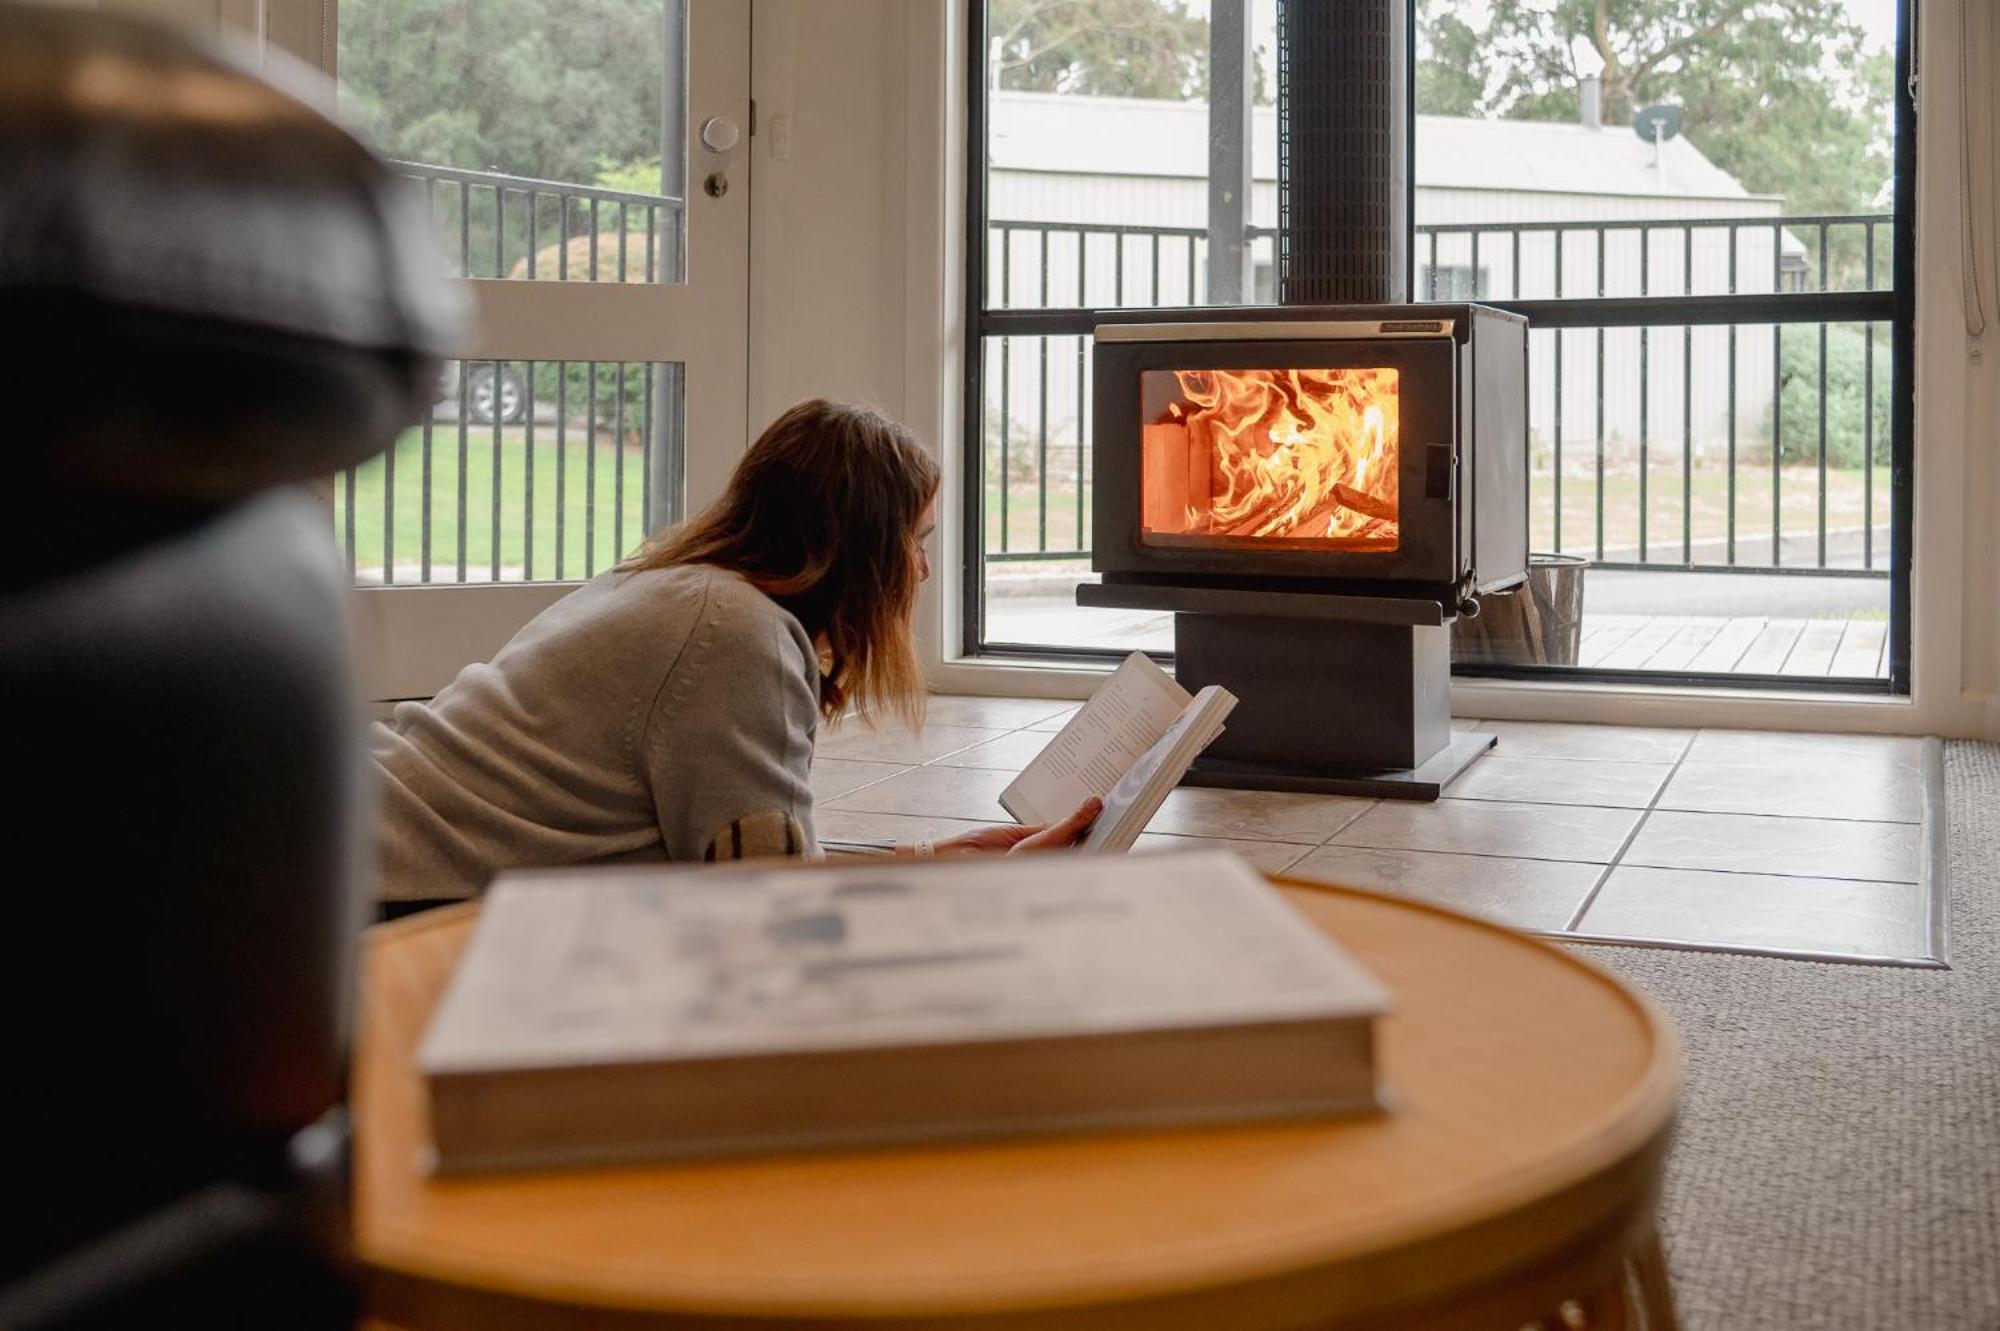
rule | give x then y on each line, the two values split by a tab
1129	745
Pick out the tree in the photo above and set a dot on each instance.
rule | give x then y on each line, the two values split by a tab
517	86
1100	48
1779	93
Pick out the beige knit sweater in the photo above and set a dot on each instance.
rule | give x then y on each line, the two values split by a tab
641	716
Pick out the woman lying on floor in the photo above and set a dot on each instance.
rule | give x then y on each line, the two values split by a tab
668	707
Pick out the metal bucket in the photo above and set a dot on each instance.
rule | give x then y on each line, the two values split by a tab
1537	623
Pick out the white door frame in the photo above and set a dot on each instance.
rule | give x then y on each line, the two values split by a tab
414	639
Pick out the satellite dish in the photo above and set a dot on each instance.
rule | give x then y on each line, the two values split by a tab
1658	123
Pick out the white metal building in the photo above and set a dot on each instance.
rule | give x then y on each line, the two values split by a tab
1094	165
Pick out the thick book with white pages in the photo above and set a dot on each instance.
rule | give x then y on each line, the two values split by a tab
1129	746
618	1013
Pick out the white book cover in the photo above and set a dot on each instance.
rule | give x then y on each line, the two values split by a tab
591	967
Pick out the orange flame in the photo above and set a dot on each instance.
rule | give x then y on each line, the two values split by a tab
1298	454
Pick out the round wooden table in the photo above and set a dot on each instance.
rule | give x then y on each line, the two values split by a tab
1514	1180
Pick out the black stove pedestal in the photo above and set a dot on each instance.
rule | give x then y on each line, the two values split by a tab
1325	705
1336	695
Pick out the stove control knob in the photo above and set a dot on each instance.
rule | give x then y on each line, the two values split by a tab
1468	599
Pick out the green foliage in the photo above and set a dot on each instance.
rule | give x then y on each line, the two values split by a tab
1779	93
1846	397
570	383
1100	48
635	177
1450	69
517	86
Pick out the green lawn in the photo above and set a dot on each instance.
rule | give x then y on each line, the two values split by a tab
589	497
1709	508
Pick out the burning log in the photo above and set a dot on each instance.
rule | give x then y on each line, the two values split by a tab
1164	475
1373	505
1174	476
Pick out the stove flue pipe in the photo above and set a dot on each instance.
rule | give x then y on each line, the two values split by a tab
1343	151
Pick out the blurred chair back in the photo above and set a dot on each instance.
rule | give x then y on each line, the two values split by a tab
209	295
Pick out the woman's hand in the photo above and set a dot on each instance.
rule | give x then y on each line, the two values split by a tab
989	840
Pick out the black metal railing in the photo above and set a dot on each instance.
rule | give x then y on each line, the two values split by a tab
496	225
527	470
522	471
1707	394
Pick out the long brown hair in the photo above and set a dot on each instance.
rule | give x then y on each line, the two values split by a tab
821	516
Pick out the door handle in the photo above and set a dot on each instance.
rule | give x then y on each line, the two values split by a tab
719	134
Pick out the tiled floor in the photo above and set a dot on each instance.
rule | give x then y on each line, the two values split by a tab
1734	840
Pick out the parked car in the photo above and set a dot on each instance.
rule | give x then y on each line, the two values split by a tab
493	391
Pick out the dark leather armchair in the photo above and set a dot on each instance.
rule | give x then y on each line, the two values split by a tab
208	295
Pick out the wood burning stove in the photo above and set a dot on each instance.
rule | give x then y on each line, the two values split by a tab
1316	492
1369	449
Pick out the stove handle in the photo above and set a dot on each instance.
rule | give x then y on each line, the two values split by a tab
1440	472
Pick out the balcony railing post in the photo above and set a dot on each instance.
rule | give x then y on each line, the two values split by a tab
1687	403
1599	384
1777	404
1733	239
1558	421
1823	239
389	460
499	415
1645	403
528	465
1868	421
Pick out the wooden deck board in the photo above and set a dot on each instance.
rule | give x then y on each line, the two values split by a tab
1751	645
1686	644
1768	652
1602	635
1729	646
1813	653
1643	646
1860	650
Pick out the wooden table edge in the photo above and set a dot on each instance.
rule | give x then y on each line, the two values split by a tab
1636	1129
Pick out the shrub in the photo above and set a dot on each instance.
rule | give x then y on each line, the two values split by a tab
1846	406
576	386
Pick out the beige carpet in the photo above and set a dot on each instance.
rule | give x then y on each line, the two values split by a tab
1838	1157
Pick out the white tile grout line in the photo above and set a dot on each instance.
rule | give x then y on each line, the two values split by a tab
901	770
1618	856
1359	814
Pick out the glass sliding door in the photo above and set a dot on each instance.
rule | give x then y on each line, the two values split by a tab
1707	224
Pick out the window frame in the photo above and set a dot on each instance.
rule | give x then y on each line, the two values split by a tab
1894	306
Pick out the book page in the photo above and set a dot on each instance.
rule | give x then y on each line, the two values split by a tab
1099	745
1137	796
